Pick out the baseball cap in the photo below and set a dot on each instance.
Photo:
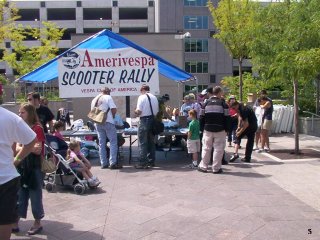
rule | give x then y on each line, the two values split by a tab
232	97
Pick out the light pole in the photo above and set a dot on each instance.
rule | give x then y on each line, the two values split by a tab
182	37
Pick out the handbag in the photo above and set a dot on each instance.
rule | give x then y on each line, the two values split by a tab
157	126
48	165
97	115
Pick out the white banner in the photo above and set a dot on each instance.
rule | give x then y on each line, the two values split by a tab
84	72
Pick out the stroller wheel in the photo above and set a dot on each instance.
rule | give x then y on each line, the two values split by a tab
50	187
79	189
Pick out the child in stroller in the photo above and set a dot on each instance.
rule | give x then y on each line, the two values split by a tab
80	164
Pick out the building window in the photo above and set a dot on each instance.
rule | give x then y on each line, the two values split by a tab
93	30
151	3
28	15
43	4
133	30
61	14
195	22
212	78
196	45
192	88
115	3
79	3
97	13
67	33
196	67
195	3
133	13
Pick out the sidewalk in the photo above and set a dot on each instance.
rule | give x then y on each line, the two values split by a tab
266	199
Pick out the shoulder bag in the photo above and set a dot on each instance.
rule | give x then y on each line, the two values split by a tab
157	126
97	115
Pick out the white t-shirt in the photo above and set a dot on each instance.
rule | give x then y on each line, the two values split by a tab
259	111
13	129
144	106
105	102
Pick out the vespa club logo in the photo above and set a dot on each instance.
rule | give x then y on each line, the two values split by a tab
71	60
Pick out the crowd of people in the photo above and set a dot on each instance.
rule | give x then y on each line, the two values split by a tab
212	122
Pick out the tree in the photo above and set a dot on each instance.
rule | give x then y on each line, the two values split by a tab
234	22
7	19
24	59
250	84
287	45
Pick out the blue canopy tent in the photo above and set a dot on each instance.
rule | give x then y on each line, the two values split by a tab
104	40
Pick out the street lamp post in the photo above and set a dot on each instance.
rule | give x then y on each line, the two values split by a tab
182	37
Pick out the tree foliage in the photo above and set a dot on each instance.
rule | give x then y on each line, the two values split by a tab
24	58
234	20
287	46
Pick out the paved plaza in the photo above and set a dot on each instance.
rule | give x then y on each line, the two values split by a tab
269	198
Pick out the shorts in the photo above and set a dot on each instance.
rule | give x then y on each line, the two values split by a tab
8	201
266	125
193	146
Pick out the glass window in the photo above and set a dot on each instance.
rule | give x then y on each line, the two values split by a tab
196	45
61	14
29	15
196	67
195	3
195	22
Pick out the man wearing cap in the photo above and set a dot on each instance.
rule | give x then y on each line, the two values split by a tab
147	108
107	130
215	121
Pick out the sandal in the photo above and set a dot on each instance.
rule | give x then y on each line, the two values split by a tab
34	231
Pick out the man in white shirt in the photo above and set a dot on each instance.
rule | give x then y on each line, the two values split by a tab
13	129
147	147
107	130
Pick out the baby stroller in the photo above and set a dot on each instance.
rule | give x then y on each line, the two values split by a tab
64	175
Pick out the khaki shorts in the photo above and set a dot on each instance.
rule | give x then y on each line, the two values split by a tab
266	125
193	146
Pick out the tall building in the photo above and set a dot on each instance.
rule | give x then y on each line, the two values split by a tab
204	56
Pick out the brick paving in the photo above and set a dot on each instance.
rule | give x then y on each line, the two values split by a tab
266	199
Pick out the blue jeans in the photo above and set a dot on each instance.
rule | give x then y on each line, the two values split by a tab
104	131
147	149
35	196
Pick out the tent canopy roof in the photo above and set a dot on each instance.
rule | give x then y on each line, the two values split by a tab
104	40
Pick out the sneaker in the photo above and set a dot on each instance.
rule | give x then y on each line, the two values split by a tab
104	166
267	149
201	169
218	172
224	162
255	148
260	150
234	157
245	160
192	165
140	166
97	182
92	183
151	164
115	166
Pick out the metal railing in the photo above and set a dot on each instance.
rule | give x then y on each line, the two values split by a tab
313	115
